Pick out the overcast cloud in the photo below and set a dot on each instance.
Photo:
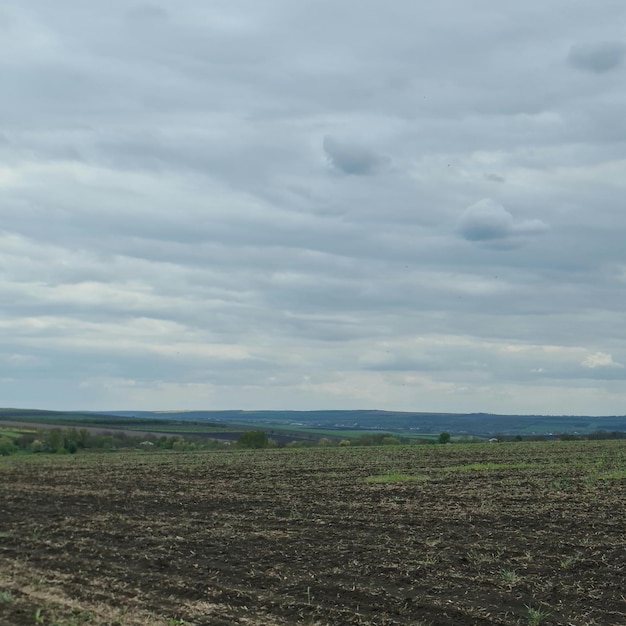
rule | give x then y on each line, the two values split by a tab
304	205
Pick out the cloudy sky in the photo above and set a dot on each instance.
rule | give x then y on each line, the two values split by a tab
273	204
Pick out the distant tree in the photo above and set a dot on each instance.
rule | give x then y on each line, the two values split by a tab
325	442
390	441
25	440
372	439
54	439
37	446
106	442
71	447
7	446
253	439
70	440
83	438
444	437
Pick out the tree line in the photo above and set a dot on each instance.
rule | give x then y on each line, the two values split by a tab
72	440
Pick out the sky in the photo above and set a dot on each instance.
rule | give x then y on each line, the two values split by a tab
269	204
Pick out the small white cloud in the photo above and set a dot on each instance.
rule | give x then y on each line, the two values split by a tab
600	359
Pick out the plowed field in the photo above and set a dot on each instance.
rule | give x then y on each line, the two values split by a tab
510	534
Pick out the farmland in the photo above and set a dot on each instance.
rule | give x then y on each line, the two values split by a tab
312	425
507	533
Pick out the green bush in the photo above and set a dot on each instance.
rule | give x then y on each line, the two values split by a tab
444	438
37	446
7	446
325	442
54	440
253	439
390	441
377	439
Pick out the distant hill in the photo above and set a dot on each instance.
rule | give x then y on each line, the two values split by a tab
407	423
396	421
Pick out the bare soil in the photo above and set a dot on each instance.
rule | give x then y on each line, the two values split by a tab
507	534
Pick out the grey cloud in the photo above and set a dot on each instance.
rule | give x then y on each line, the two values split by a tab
491	360
147	13
597	58
164	179
496	178
351	158
487	220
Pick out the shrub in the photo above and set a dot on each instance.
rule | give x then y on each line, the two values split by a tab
375	439
300	444
390	441
54	439
253	439
7	446
37	446
444	437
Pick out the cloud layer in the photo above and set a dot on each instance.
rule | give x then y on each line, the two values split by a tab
313	205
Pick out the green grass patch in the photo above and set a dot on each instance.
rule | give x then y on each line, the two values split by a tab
5	597
14	432
182	427
396	477
614	475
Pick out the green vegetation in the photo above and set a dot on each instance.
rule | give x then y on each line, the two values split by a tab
510	577
569	561
253	439
378	439
7	446
189	430
41	432
444	437
6	597
535	616
72	440
614	475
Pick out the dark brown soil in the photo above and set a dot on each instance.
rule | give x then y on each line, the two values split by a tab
528	534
